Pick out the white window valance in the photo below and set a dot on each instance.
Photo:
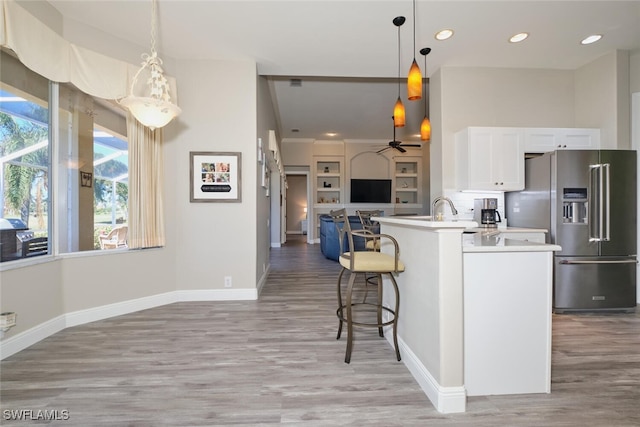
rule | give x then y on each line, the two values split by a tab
45	52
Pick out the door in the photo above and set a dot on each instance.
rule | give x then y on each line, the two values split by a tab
587	283
571	180
622	211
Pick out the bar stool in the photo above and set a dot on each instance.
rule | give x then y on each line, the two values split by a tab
371	244
364	262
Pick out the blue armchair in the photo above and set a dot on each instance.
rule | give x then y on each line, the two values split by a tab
329	244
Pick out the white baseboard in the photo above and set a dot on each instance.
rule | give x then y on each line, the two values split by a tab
446	400
94	314
276	244
263	279
31	336
19	342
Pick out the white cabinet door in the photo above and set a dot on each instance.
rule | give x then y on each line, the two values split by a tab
510	167
490	159
543	140
580	139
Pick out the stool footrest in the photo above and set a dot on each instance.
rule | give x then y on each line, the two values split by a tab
342	317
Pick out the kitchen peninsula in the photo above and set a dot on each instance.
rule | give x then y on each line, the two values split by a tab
471	323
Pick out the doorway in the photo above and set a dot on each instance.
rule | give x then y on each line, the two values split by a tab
296	210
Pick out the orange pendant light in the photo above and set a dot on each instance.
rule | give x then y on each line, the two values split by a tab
425	127
398	114
414	80
398	109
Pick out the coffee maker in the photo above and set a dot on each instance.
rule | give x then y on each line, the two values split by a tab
485	212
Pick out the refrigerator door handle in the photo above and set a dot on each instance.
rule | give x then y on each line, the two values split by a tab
607	202
596	201
620	261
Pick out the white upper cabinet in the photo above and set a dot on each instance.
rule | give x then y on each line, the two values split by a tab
542	140
490	159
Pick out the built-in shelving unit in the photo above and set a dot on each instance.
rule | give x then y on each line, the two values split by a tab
329	181
407	182
328	187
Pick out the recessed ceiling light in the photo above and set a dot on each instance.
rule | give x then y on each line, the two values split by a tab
443	34
591	39
331	134
517	38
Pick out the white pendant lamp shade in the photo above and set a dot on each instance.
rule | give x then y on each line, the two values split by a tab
152	106
151	112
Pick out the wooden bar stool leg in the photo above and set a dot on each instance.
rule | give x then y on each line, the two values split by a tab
397	312
340	305
380	329
352	279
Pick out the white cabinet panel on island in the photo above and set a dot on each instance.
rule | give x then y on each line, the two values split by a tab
507	315
465	308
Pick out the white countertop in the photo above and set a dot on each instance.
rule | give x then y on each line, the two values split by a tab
425	222
507	230
477	242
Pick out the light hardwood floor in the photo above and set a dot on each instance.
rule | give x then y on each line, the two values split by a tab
276	361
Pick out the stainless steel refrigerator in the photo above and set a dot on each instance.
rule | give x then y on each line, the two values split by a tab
587	201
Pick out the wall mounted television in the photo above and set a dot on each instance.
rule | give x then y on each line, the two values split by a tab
370	191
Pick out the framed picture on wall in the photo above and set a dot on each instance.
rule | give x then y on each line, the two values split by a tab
215	177
86	179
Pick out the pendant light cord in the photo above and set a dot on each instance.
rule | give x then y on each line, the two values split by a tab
153	26
414	30
398	61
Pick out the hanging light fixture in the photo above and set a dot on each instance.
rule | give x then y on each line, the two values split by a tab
398	109
414	80
154	108
425	126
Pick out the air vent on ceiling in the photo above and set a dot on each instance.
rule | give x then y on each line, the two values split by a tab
294	130
295	82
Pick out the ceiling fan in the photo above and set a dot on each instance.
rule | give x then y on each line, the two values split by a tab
398	145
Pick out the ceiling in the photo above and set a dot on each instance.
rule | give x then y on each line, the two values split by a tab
346	51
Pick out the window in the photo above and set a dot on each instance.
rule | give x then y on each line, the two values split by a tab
87	198
24	162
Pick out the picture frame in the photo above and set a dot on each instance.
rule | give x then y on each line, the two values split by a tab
215	176
86	179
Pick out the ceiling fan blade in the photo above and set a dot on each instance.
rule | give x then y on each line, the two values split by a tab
400	149
382	149
411	145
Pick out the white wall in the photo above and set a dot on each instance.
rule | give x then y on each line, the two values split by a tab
267	208
494	97
214	240
602	98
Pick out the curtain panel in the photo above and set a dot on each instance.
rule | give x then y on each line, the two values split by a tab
146	186
44	51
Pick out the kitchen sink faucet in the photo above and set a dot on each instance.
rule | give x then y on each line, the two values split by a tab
439	199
